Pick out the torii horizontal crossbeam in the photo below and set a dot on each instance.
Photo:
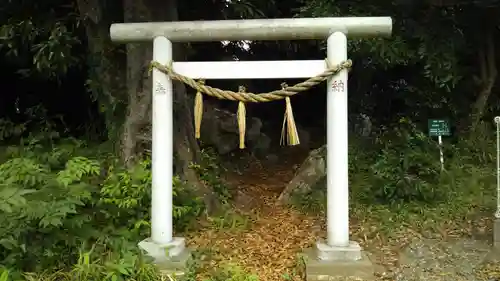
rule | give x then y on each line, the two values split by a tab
253	29
250	69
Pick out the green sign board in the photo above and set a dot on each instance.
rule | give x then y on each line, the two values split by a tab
439	127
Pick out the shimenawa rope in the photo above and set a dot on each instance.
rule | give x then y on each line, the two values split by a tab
289	127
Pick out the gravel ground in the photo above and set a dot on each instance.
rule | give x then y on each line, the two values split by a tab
460	260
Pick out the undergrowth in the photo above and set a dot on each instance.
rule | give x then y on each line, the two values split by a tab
70	211
399	179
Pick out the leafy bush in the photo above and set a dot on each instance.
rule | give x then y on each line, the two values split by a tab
209	171
232	272
407	169
125	197
57	197
42	207
111	266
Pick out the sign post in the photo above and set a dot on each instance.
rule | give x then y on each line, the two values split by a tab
497	122
496	223
439	128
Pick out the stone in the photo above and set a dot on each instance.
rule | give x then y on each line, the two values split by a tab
361	124
260	146
176	266
219	129
312	172
170	258
304	137
337	269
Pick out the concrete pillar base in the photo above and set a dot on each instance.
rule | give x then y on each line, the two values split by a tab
171	258
326	263
351	252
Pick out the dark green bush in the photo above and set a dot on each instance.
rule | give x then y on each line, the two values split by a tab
55	199
407	168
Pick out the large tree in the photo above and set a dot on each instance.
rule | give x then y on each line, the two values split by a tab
139	92
124	80
106	61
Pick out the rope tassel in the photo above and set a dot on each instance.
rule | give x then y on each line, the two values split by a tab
241	115
289	128
198	112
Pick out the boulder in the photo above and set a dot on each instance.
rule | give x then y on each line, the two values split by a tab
361	124
304	136
219	128
310	175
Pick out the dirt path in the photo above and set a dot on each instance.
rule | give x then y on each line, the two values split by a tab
266	239
273	236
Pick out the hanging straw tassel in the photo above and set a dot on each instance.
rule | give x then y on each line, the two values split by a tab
198	112
289	129
241	119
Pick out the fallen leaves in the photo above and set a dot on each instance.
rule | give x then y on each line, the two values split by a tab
269	246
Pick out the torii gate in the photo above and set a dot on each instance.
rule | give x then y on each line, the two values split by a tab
338	247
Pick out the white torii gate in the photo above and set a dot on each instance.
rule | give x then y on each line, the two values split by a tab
334	30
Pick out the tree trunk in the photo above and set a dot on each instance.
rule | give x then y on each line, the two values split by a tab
139	88
486	80
106	61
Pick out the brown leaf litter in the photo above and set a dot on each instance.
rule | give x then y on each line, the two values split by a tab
276	235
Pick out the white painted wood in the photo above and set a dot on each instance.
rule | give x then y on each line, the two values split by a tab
162	147
250	69
337	168
252	29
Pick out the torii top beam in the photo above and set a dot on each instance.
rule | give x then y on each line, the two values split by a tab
253	29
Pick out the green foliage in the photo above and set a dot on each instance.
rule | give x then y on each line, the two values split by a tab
61	197
59	194
406	168
125	194
399	173
42	44
110	266
38	198
209	170
230	220
232	272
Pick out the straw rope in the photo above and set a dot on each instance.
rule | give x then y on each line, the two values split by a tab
289	134
251	97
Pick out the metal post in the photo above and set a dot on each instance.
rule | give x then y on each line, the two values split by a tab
162	148
497	122
337	146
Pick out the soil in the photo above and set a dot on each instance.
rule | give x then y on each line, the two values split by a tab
268	238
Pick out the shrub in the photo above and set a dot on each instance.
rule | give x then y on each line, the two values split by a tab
407	169
55	199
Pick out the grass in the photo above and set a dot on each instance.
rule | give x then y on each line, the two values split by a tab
376	226
265	244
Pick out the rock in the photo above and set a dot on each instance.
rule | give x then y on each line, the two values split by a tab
310	175
244	201
261	145
272	158
361	124
219	128
304	136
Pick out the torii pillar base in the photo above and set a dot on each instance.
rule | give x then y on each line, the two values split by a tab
171	259
324	263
